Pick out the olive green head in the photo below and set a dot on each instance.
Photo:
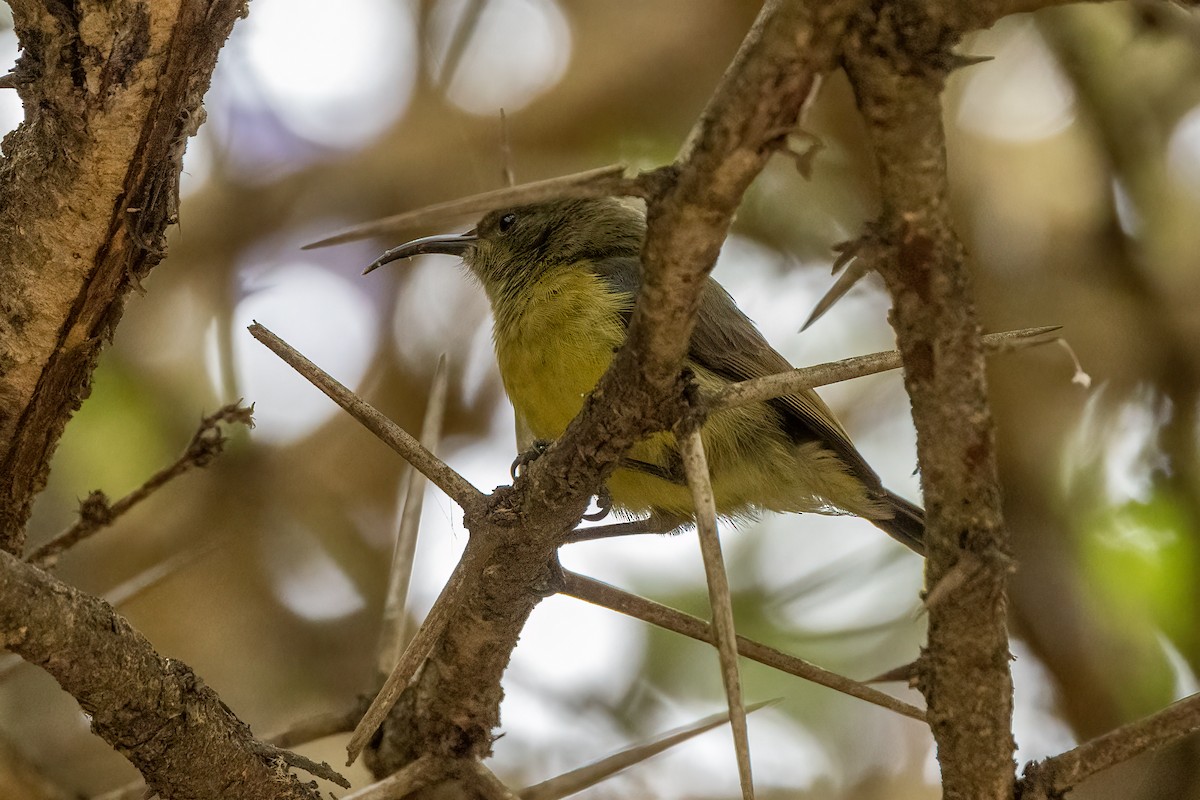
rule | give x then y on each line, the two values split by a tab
510	248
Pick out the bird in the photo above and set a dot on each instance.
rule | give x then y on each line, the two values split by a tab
562	277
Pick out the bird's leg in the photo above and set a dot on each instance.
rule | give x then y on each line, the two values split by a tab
655	523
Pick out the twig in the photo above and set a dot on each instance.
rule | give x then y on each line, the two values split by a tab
316	727
95	513
696	467
602	594
410	779
486	785
297	761
506	154
758	390
1061	773
589	775
391	639
147	579
467	22
412	657
600	182
855	270
391	434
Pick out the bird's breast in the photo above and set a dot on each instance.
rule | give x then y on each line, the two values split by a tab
554	343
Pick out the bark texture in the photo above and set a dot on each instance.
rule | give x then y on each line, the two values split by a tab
88	185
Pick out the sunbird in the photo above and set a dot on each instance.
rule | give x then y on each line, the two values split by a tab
562	277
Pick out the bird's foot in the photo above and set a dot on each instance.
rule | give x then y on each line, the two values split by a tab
526	458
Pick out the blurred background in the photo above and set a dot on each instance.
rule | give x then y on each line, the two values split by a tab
1075	159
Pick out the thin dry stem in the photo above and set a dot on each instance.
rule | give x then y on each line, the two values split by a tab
425	771
591	774
412	657
695	465
602	594
759	390
147	579
395	617
468	21
600	182
317	727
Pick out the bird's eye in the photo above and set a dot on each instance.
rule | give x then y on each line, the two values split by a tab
507	221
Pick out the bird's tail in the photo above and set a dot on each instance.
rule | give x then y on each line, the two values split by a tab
906	525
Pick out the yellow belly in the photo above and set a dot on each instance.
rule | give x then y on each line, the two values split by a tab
552	352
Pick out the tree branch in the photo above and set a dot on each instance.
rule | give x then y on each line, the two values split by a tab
897	61
1052	778
720	599
599	182
154	711
87	190
758	390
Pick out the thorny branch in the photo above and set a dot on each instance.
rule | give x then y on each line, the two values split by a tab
1052	778
96	513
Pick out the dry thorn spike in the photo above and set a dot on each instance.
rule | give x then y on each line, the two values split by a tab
439	472
589	775
768	387
602	594
724	634
414	655
967	567
395	619
905	673
600	182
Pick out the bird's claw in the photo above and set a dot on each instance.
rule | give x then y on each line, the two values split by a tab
526	458
604	504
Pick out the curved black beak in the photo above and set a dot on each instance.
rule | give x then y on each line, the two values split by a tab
452	244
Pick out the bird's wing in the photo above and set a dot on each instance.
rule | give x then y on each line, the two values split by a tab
726	342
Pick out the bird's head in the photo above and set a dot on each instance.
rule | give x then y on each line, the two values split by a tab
512	247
